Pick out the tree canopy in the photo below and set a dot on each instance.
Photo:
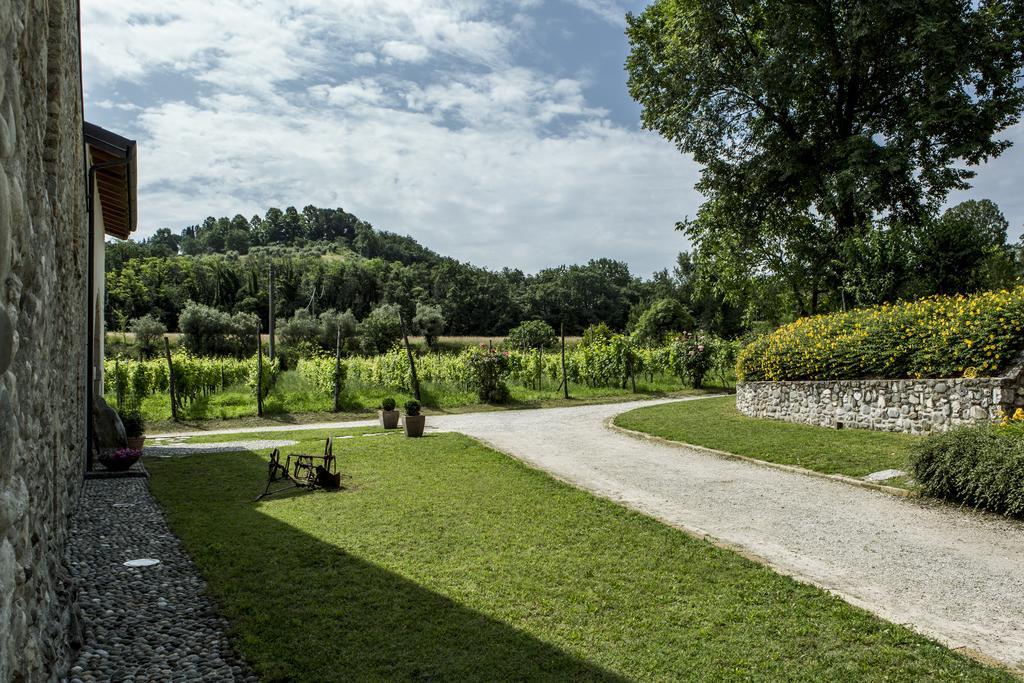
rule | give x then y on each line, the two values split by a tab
816	122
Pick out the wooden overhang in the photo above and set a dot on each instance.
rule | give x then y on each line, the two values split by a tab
115	166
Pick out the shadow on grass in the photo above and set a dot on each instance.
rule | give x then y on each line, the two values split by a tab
305	610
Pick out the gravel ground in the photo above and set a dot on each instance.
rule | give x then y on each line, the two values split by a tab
176	450
949	573
146	624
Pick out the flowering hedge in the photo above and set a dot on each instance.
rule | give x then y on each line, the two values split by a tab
953	336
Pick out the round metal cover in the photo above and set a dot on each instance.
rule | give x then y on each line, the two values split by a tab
144	562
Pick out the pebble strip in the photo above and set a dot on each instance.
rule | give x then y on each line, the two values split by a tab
146	624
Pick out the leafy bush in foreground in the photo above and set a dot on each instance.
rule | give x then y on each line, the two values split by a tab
979	466
935	337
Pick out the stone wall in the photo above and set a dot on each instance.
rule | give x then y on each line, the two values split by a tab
43	260
913	406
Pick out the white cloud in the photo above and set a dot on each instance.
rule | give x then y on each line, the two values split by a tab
361	91
475	156
608	10
241	44
513	98
494	197
404	52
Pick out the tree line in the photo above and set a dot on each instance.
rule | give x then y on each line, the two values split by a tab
328	260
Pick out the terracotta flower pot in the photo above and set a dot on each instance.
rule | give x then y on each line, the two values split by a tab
388	418
414	424
136	442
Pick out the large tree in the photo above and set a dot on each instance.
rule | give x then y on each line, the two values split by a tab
816	119
965	250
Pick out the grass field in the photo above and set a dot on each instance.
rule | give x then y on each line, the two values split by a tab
448	561
715	423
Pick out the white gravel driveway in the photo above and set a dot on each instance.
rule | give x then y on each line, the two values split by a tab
952	574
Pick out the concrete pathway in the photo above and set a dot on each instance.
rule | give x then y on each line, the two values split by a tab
952	574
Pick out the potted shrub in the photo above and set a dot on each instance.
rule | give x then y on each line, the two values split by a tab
120	459
387	413
134	428
412	420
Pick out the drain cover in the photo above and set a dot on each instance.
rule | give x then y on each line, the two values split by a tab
144	562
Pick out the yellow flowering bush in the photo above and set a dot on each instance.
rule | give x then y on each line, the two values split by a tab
940	336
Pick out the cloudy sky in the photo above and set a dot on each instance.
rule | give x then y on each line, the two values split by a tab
496	131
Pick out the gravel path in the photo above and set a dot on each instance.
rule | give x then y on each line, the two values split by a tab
949	573
172	449
952	574
142	624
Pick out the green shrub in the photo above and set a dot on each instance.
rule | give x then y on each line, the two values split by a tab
207	331
978	466
662	318
134	424
412	408
388	404
429	322
148	332
531	334
490	370
691	357
380	329
596	334
934	337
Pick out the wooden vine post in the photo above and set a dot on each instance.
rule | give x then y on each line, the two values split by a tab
271	328
170	381
632	370
118	393
565	377
408	352
337	372
259	373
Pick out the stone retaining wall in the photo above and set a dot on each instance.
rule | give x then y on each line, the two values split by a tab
43	262
916	406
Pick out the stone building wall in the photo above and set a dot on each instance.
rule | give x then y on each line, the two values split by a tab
913	406
43	260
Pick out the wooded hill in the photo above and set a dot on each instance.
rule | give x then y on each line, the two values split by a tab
330	259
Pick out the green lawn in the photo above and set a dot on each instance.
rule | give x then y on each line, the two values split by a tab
715	423
449	561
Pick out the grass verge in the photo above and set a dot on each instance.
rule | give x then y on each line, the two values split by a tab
449	561
715	423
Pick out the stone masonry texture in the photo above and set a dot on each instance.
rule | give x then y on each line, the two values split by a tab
43	261
915	406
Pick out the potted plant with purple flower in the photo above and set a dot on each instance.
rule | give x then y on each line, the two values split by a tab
120	459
